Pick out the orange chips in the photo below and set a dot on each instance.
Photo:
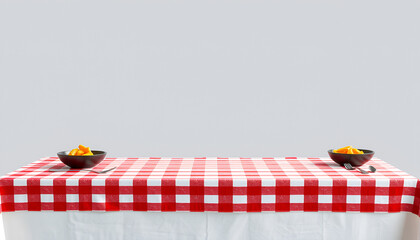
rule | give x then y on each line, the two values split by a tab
348	150
81	151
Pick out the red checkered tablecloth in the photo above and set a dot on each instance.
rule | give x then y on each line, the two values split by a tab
210	184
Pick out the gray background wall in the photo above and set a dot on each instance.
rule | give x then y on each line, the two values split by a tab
209	78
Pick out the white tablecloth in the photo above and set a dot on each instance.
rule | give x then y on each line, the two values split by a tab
209	226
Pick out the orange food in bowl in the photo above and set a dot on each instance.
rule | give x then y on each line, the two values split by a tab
348	150
81	151
73	152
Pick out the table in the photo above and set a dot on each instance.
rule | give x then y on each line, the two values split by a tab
205	198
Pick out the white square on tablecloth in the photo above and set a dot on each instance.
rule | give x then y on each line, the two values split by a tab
21	198
185	182
268	182
239	182
355	199
154	182
237	173
154	198
297	182
296	199
407	199
319	172
72	198
211	199
126	182
381	199
268	198
46	182
126	198
19	182
47	198
325	182
410	182
182	198
98	198
211	174
354	182
239	199
382	182
98	182
324	198
211	182
265	174
72	182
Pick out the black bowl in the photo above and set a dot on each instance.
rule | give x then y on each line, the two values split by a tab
353	159
82	161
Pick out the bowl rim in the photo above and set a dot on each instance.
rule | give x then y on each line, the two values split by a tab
365	152
65	153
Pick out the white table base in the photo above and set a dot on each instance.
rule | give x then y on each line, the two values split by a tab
2	237
210	226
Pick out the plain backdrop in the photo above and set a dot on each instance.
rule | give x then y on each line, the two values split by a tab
209	78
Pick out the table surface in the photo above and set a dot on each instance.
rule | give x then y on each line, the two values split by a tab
210	184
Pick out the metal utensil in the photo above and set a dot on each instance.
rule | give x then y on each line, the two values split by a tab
362	171
88	170
348	166
372	169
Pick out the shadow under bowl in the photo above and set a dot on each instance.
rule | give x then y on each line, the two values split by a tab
353	159
82	161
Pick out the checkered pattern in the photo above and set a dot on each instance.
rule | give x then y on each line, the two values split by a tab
210	184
